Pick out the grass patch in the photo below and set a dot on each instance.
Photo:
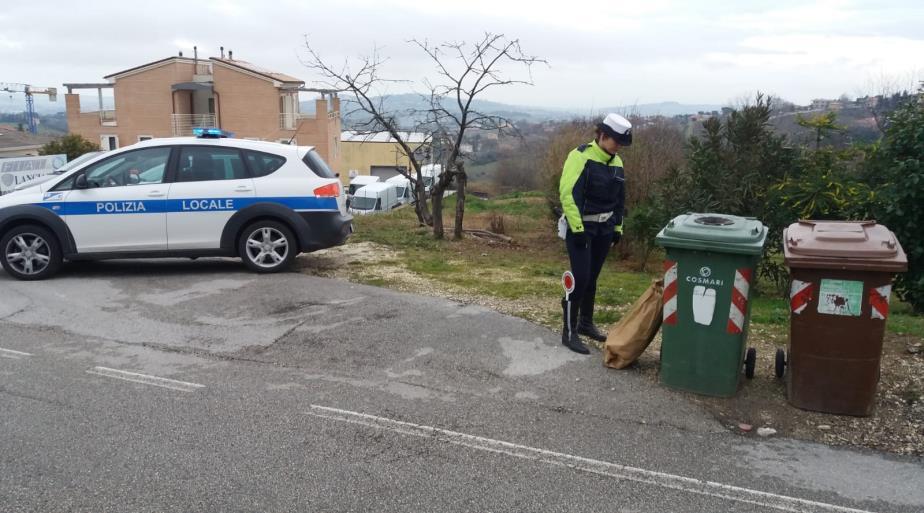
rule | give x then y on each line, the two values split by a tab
903	321
531	270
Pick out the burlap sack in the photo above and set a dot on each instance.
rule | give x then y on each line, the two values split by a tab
629	338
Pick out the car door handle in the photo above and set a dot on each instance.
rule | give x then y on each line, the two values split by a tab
156	194
243	188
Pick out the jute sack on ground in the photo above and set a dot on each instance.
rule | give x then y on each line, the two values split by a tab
629	338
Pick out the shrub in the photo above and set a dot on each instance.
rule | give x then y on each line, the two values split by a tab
899	162
72	145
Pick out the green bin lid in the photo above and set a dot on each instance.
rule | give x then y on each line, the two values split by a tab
721	233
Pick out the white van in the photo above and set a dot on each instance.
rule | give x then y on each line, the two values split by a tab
430	173
405	191
375	197
361	181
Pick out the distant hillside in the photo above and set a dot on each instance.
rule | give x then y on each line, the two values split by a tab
859	124
407	107
16	102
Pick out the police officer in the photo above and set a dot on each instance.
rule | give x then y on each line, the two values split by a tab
593	196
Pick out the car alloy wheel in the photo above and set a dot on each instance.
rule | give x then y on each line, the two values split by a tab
28	253
267	247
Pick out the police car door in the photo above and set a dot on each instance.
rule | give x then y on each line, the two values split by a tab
122	206
211	184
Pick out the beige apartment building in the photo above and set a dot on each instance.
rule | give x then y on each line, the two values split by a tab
377	154
169	97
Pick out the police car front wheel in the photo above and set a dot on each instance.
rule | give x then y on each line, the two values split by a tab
30	252
267	246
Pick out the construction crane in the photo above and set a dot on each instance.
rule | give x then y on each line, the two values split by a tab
29	91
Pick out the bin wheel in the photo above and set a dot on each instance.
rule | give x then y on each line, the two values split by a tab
780	363
750	362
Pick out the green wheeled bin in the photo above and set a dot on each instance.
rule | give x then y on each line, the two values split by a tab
710	267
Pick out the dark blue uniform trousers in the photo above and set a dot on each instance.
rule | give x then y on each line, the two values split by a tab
586	263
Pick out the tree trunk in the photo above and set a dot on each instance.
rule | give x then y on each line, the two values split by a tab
461	180
437	212
421	208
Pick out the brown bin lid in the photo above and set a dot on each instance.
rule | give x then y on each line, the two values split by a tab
860	245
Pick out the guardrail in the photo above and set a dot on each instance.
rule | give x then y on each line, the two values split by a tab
184	123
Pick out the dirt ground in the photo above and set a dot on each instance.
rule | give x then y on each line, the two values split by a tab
896	425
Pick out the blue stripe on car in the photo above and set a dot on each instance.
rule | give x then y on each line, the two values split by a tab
83	208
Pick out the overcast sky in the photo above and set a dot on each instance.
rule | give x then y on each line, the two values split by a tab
599	53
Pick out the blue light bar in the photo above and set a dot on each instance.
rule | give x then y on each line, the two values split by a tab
211	133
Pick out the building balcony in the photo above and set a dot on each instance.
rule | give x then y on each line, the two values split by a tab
107	118
289	120
183	124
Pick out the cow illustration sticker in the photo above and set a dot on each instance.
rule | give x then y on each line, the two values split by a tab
840	297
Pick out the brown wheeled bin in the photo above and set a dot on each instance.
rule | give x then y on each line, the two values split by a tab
839	298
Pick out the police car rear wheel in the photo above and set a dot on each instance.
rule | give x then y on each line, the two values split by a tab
267	247
30	253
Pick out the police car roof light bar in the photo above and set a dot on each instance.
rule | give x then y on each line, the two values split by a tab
211	133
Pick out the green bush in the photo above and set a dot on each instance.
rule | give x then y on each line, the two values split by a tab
899	162
643	223
72	145
732	168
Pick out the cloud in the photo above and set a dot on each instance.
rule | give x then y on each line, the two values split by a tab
9	44
793	52
599	54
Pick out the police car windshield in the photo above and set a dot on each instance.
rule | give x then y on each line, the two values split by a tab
362	203
76	162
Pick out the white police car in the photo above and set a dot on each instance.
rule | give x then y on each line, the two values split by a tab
180	197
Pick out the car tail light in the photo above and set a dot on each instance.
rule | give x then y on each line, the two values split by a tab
331	190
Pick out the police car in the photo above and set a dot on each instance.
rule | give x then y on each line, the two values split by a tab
208	195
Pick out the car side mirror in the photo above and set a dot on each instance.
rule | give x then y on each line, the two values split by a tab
81	182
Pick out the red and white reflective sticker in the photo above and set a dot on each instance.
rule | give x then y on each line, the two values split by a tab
739	302
800	295
670	292
879	301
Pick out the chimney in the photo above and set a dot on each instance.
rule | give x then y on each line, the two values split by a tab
230	55
222	48
181	53
196	54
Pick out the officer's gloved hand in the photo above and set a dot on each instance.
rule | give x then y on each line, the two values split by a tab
579	239
616	238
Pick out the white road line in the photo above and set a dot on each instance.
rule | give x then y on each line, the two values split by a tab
14	355
134	377
598	467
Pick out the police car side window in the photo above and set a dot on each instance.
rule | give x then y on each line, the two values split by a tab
205	163
263	164
317	165
130	168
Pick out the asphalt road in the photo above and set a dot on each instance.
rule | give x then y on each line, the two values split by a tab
195	386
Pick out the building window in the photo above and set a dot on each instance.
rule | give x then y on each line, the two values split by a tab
108	142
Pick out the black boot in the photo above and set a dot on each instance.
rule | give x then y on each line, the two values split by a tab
586	327
569	335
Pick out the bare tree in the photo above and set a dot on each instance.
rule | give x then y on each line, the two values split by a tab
362	81
465	72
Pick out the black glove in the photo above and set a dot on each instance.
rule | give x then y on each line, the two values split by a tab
616	238
579	239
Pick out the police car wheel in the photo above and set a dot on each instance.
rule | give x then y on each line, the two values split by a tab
267	247
30	253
